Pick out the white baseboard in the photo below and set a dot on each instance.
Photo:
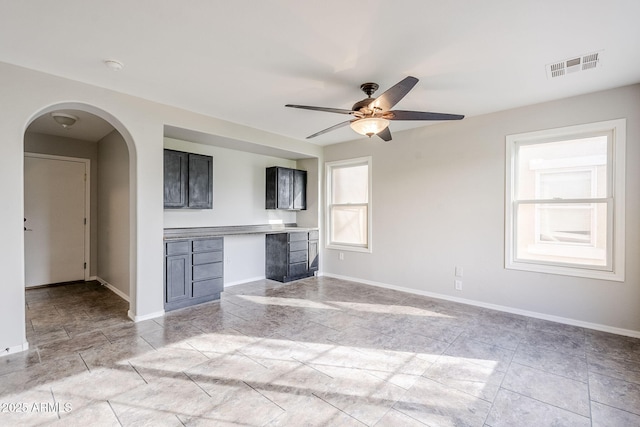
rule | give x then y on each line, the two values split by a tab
149	316
240	282
125	297
15	349
543	316
113	289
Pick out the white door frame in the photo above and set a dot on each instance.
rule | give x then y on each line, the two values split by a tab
87	202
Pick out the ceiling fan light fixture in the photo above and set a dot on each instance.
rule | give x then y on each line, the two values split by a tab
370	126
64	120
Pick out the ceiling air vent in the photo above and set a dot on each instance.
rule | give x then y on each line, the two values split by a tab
573	65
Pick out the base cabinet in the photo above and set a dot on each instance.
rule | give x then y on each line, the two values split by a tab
291	255
193	271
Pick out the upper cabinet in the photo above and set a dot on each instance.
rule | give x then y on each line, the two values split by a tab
188	180
286	188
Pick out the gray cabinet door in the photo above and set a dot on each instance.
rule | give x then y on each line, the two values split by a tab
271	188
314	252
200	182
299	189
276	256
178	278
285	188
175	179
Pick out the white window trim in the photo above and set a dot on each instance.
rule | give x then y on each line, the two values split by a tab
349	162
618	147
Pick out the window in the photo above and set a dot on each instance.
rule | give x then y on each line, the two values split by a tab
565	201
349	204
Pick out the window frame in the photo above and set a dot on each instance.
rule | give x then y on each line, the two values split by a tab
615	199
329	166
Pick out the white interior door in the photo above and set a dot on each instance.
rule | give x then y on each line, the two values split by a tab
54	209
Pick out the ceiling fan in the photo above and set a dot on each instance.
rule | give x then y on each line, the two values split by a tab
372	115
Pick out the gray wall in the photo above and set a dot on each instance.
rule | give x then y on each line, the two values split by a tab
69	147
309	217
113	210
438	202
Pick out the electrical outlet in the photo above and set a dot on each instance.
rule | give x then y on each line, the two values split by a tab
458	285
459	271
341	256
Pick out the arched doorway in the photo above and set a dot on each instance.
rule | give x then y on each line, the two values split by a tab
102	142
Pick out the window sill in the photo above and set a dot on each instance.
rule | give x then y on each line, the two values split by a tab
586	273
348	248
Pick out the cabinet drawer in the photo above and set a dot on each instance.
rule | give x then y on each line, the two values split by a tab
207	271
207	257
177	248
298	235
313	235
297	256
298	246
298	269
207	287
207	245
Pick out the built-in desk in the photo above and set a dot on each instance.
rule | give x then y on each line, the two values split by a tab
194	259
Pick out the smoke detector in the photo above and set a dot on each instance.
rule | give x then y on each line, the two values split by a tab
574	65
113	65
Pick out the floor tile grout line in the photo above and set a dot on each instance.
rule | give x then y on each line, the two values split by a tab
312	367
637	414
589	391
196	383
513	355
543	402
115	414
409	415
180	420
346	413
145	340
266	397
54	402
549	373
137	372
84	361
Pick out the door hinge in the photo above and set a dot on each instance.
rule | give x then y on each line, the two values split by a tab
85	221
85	265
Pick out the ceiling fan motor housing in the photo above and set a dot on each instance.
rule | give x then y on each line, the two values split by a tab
363	106
369	88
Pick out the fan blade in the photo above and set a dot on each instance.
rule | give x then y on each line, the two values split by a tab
420	115
334	127
385	134
328	110
394	94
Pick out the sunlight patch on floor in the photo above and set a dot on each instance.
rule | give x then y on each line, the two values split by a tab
389	309
289	302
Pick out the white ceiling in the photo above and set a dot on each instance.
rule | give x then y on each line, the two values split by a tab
243	60
88	127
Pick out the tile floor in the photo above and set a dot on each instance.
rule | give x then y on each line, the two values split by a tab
319	351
